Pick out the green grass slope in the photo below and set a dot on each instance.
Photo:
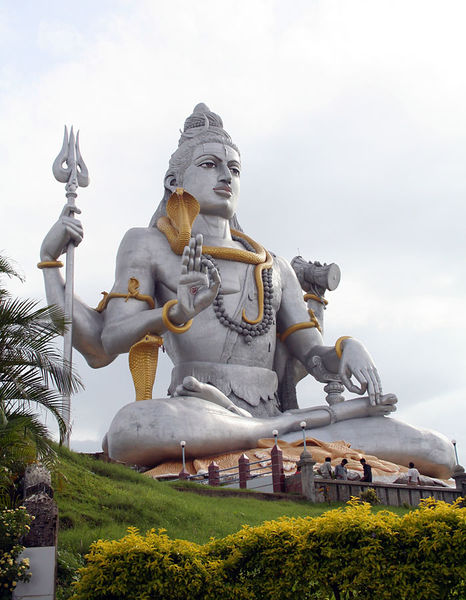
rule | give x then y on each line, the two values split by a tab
97	500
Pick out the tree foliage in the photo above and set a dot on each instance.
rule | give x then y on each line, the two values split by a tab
33	376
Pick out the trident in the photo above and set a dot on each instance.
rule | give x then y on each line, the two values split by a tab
75	175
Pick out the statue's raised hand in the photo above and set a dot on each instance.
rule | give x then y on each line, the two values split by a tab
356	362
198	286
67	229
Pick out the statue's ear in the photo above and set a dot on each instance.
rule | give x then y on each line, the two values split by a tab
170	182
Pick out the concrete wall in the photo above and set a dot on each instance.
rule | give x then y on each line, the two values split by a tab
391	494
260	484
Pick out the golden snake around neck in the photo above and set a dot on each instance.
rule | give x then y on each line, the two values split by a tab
182	210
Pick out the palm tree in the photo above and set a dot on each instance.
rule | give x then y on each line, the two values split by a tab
32	374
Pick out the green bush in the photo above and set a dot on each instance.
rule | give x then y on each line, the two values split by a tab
369	495
345	553
68	564
144	567
14	524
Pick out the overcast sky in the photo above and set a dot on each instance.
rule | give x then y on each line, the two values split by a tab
350	118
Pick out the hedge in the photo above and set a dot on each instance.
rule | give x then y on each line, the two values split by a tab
344	554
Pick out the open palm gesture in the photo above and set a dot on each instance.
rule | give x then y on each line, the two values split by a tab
198	285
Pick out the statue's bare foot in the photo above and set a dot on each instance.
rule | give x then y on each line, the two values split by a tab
362	407
193	387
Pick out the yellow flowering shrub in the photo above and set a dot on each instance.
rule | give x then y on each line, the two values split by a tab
14	523
143	567
345	553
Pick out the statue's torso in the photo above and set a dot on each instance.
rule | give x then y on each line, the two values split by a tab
242	368
209	340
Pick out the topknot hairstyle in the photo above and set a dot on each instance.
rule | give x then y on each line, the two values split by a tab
200	121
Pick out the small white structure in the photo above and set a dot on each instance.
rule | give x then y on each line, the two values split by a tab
41	586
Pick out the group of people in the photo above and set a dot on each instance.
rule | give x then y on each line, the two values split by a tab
341	471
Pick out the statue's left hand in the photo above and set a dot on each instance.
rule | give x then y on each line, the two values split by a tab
356	362
197	287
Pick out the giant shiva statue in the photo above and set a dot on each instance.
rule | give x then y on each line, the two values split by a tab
232	318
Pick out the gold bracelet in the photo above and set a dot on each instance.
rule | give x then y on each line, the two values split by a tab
49	264
166	319
320	299
338	343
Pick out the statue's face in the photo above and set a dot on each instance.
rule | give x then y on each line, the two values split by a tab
213	179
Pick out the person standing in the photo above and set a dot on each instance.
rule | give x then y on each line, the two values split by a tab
413	475
326	468
341	472
367	476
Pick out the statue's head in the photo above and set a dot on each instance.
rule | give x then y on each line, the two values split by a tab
202	134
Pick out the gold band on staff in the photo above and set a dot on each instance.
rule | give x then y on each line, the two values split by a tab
320	299
314	319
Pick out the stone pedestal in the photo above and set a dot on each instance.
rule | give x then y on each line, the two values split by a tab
214	474
183	474
278	474
306	468
244	471
460	478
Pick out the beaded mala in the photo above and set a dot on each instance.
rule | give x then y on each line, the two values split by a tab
247	330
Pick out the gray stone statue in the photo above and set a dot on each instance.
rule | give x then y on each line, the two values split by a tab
232	318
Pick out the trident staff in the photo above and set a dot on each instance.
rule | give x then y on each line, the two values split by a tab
74	175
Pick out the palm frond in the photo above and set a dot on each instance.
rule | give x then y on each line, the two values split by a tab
16	436
7	268
32	369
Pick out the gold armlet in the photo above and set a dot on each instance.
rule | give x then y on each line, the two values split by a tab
49	264
338	343
133	292
168	324
296	327
320	299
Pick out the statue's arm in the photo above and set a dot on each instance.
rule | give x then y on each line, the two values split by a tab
87	323
127	320
306	344
100	337
303	342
